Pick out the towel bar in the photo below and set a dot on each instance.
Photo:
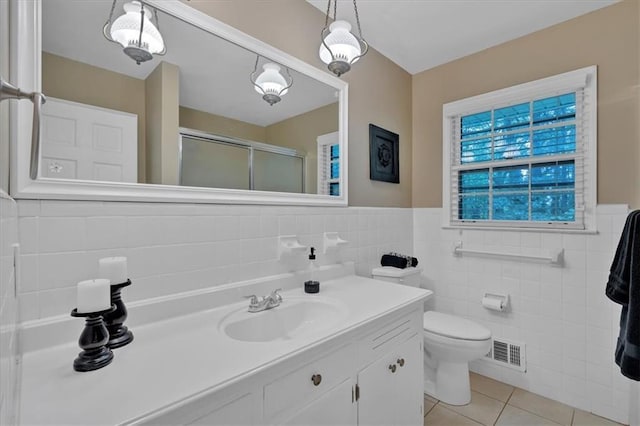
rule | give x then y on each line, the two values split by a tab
8	91
555	258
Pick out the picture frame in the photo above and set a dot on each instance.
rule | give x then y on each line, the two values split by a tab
384	155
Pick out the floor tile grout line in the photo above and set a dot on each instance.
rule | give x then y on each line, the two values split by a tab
431	409
471	418
508	402
510	395
485	393
463	415
491	396
538	415
500	414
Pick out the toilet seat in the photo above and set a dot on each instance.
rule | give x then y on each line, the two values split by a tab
454	327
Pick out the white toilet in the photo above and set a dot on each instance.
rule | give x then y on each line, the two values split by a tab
450	342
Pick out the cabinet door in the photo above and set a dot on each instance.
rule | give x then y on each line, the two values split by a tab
376	400
409	382
336	407
391	389
296	389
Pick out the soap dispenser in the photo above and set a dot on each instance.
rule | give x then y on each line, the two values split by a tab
312	286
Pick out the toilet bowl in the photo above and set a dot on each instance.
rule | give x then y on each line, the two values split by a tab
450	342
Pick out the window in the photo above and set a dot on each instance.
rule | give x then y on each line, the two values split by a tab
524	156
329	164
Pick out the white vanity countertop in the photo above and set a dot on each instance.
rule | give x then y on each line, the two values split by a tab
175	359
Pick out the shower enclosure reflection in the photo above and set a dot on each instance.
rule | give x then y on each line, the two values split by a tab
219	162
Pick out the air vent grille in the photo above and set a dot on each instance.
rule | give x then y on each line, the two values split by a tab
514	355
500	351
508	353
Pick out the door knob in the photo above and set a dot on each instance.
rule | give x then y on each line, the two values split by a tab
401	362
392	367
316	379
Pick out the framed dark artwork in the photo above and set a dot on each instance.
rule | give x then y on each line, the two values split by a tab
383	155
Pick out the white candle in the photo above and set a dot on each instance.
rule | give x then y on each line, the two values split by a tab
114	269
94	296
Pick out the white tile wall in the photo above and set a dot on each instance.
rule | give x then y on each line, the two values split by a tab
8	311
173	248
561	314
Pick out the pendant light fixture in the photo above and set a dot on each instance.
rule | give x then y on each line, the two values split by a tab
340	48
135	32
270	83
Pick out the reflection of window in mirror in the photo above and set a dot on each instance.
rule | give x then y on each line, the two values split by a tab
329	164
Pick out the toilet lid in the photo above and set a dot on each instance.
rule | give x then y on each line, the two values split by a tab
390	271
454	327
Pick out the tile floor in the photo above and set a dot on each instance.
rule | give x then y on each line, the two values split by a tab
496	403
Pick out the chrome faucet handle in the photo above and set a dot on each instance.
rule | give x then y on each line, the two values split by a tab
254	300
275	295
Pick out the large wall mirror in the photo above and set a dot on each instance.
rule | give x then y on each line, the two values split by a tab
188	125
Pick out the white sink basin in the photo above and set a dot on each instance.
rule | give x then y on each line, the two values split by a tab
294	318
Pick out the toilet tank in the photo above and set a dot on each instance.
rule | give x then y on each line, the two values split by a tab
406	276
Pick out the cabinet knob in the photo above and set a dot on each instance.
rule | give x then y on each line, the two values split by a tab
392	367
316	379
401	362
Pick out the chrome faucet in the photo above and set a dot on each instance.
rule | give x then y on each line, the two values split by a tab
266	302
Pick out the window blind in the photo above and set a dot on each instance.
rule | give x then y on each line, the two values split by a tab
329	169
323	169
523	164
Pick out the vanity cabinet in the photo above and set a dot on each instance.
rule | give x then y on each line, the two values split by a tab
377	380
372	377
193	369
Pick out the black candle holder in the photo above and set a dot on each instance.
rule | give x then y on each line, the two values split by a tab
93	339
119	334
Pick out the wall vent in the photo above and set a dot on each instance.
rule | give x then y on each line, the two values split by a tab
508	353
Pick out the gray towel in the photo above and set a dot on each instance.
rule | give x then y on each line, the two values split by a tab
623	288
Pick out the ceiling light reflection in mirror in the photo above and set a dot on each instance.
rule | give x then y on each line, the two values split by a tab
112	119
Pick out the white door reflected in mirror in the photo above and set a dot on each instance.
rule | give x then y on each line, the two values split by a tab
86	142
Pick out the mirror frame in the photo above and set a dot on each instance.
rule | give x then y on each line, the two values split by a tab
25	57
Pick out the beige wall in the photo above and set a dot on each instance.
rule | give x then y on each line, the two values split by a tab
301	133
607	38
219	125
162	100
379	90
78	82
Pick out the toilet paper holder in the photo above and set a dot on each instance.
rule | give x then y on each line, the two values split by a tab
495	302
